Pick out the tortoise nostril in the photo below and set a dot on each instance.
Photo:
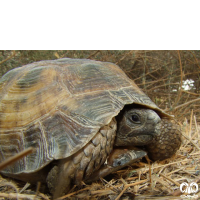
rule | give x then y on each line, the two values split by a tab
119	162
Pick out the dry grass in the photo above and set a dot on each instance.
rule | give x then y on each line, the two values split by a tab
144	180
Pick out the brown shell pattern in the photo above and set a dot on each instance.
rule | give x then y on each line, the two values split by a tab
58	106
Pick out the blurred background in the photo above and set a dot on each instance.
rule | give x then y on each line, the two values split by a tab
170	78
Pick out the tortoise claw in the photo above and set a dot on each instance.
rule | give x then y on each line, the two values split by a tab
118	159
123	157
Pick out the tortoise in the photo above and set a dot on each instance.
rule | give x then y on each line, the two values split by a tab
74	112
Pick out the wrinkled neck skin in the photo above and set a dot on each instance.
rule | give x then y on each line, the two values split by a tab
136	127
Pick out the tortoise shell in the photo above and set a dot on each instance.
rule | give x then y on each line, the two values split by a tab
58	106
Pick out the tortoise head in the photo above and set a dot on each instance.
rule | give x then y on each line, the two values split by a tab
136	126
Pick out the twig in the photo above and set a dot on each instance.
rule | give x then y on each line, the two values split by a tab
37	190
73	193
93	54
124	57
176	183
129	185
177	170
102	192
184	104
150	178
122	192
162	182
168	164
181	82
25	187
192	93
195	59
112	187
191	118
190	140
8	58
17	196
15	158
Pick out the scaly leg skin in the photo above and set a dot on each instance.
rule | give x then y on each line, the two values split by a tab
118	159
59	180
74	169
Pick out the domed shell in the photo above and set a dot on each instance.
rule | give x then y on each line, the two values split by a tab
57	106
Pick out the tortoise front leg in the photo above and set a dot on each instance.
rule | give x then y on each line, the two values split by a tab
118	159
61	177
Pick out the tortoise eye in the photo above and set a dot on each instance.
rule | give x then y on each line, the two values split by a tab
135	118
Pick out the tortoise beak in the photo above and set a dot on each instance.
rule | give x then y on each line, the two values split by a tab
156	125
